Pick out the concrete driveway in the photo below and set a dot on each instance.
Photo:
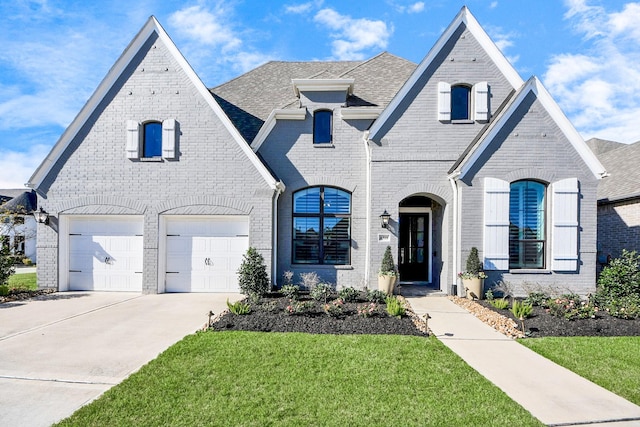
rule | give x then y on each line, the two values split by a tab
61	351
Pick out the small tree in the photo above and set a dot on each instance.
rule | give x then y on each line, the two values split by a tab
473	262
6	266
252	274
621	277
388	267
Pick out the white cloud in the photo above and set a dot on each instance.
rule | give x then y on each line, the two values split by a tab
597	85
416	7
353	36
206	27
16	167
493	5
302	7
503	41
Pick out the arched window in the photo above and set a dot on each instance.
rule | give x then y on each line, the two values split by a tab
152	139
322	131
527	224
460	102
321	226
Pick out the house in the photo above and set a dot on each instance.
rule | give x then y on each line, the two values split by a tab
160	185
17	225
618	198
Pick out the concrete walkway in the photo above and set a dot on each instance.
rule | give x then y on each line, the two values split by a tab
553	394
61	351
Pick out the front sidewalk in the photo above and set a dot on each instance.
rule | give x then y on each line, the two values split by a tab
553	394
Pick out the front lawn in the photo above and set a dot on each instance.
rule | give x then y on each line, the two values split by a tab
26	281
239	378
611	362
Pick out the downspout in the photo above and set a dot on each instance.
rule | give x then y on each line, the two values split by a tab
367	238
274	257
454	188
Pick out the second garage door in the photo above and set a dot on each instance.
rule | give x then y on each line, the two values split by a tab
204	253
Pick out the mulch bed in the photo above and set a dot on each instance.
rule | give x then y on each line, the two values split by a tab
270	315
543	324
20	295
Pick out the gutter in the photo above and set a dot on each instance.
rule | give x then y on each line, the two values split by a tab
279	187
453	180
367	220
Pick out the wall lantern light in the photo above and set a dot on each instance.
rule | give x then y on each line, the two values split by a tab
384	219
41	216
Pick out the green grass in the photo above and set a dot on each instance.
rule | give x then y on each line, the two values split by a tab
276	379
26	281
611	362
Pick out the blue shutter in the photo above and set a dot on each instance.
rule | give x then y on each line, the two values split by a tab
565	225
496	224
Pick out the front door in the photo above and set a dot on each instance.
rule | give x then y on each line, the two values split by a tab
414	251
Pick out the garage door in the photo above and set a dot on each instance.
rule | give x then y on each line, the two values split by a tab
105	253
204	253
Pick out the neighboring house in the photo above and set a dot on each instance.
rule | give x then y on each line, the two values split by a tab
618	198
160	185
17	224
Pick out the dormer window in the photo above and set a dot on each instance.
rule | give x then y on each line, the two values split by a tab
322	126
460	102
152	140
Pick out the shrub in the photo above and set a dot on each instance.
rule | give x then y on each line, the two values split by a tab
239	307
6	266
500	304
321	292
388	267
395	307
625	307
377	296
474	266
349	294
367	310
521	310
287	276
252	274
503	289
488	295
334	309
27	261
571	307
4	290
290	291
298	307
622	276
310	280
537	299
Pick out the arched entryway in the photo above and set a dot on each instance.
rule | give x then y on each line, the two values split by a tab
419	240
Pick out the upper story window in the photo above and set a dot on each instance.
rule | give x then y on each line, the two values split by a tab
321	226
152	139
527	224
460	102
322	126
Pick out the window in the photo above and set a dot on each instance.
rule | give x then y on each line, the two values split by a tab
460	102
18	245
527	224
152	140
322	126
321	226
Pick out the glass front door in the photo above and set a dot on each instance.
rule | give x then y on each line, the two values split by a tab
414	251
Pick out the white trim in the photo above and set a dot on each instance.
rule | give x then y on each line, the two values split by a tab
414	209
454	232
150	27
270	123
463	17
535	86
367	239
322	85
360	113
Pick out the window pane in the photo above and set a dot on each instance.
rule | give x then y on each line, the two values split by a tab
322	127
307	201
336	228
306	228
306	252
527	225
336	252
152	140
336	201
460	102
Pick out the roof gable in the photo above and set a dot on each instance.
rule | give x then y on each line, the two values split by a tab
151	27
624	182
534	86
464	17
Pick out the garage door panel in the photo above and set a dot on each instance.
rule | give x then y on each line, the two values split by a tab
206	255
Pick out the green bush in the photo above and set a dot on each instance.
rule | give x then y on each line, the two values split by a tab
388	267
521	310
298	307
290	291
4	290
395	307
500	303
334	308
621	278
538	299
349	294
571	307
6	266
377	296
252	274
321	292
624	307
239	307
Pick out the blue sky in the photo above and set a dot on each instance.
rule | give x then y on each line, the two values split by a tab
55	52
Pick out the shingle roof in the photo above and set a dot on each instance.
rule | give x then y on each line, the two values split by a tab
24	203
623	181
249	99
7	194
600	146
